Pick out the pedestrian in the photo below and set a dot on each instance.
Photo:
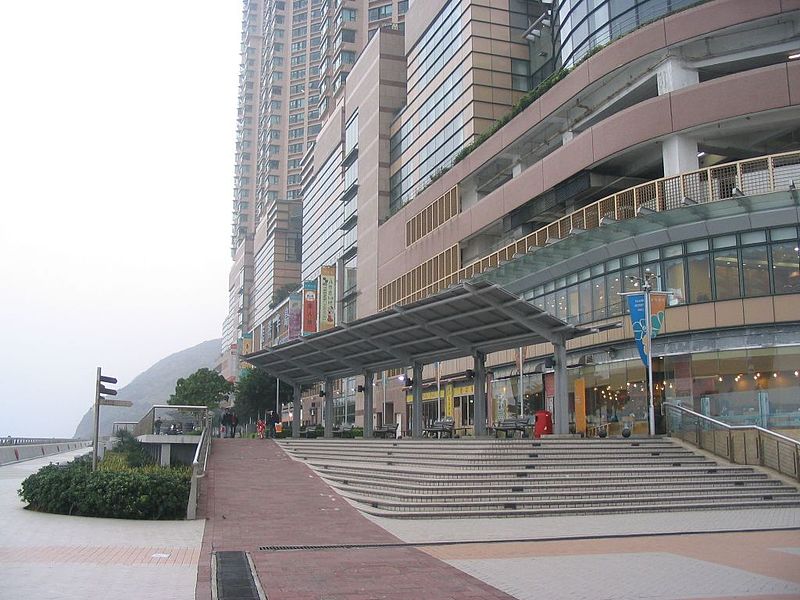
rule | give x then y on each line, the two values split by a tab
226	423
157	425
275	421
234	424
260	427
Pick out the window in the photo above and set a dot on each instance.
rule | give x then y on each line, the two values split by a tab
402	7
297	88
295	148
298	46
786	267
294	179
699	271
296	118
351	134
298	103
299	31
294	163
300	59
314	129
726	274
296	133
755	271
380	12
298	74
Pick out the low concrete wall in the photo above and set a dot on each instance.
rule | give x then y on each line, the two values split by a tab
12	454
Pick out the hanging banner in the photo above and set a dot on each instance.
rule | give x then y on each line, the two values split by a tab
658	306
327	298
636	305
295	315
309	307
247	344
580	405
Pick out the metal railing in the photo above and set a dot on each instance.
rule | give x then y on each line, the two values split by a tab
24	441
146	425
199	467
740	444
753	176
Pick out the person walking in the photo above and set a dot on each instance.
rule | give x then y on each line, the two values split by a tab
275	420
226	423
260	427
234	424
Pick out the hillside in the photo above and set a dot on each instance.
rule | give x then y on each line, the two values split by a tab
153	386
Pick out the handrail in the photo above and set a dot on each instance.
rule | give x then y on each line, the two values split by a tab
736	451
199	468
759	175
23	441
146	425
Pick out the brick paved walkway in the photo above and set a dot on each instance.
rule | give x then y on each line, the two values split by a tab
254	495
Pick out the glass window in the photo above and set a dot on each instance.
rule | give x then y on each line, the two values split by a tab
784	233
585	290
599	297
725	241
674	281
615	301
699	272
697	246
755	270
754	237
786	267
726	274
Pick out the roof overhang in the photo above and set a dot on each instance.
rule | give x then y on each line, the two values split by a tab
469	318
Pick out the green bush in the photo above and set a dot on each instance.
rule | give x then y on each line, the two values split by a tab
123	492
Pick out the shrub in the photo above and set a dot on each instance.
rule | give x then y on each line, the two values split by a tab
116	490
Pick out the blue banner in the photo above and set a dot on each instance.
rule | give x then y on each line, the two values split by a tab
636	305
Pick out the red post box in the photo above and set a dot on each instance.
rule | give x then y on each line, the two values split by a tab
544	423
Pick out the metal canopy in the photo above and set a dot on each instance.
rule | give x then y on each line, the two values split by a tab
469	318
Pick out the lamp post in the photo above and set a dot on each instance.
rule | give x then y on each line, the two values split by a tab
647	290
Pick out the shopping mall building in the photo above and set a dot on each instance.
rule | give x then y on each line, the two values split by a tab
567	152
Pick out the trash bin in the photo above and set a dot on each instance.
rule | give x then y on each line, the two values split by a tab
544	423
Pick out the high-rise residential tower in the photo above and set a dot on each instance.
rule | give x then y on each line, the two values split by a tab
295	56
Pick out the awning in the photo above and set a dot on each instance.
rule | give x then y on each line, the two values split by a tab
469	318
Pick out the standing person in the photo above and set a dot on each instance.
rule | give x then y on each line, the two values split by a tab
260	426
234	424
271	424
157	425
226	423
275	420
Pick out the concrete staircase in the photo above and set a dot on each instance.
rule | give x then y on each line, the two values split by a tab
418	479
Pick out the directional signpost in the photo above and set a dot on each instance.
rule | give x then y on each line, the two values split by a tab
100	400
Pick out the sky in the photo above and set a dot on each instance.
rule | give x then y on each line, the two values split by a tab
117	132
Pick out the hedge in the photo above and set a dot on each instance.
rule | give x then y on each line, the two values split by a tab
123	493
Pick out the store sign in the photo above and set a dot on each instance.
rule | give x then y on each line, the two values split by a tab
327	298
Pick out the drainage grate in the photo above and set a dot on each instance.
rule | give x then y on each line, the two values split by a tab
234	578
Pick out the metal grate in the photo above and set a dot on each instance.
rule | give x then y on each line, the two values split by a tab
234	577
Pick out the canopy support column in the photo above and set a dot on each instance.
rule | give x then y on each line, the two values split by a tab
479	359
328	404
416	405
369	387
297	405
561	404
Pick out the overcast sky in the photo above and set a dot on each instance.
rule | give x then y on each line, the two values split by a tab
117	127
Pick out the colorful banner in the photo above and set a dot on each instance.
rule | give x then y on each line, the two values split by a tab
309	307
247	344
295	315
636	305
580	405
327	298
658	306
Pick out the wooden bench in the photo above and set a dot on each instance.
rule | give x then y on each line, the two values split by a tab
444	427
388	430
510	426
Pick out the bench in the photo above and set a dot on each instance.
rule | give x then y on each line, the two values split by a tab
388	430
514	424
440	428
345	430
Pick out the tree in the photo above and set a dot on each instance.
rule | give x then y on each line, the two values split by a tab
204	387
255	393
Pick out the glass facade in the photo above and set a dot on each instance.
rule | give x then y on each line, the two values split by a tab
747	264
582	25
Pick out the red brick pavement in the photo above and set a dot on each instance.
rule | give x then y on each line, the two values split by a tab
255	495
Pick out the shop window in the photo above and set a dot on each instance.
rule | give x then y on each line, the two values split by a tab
755	271
786	267
699	272
726	274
